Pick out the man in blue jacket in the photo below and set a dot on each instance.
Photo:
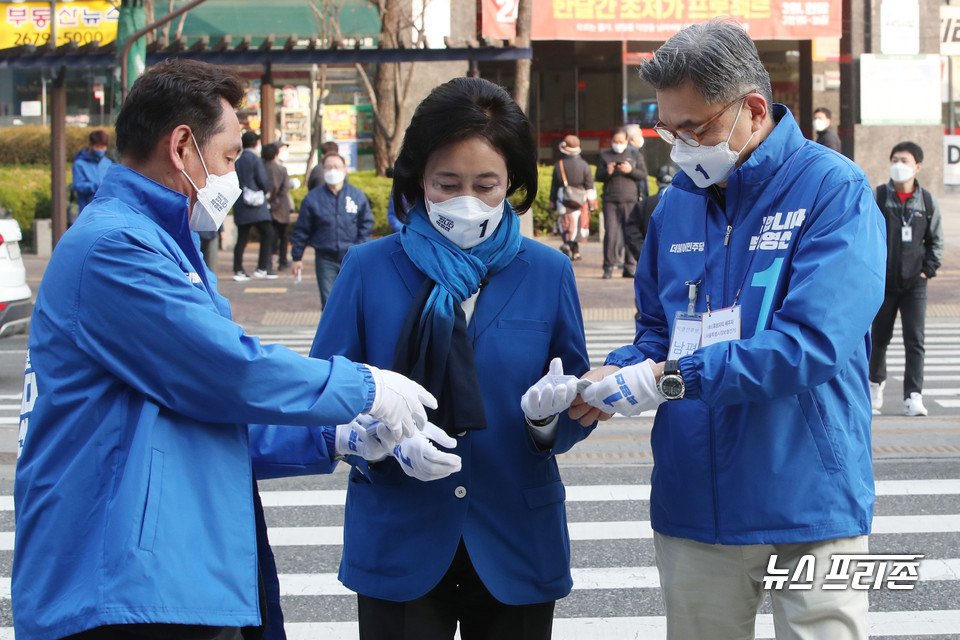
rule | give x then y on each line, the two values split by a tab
761	272
136	508
89	167
333	217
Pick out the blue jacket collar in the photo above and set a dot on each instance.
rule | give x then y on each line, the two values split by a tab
168	208
763	164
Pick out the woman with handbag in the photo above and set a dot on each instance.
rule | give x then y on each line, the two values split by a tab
572	195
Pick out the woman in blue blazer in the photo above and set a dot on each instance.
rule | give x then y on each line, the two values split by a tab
460	302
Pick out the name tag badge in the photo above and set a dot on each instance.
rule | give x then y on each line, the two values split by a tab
721	325
686	335
906	234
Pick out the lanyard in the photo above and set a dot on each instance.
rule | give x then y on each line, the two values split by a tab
726	238
913	208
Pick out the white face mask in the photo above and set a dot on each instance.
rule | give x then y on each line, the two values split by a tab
819	125
214	200
709	165
283	154
465	221
618	148
901	172
334	177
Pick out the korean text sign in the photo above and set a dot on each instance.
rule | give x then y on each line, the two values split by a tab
80	22
660	19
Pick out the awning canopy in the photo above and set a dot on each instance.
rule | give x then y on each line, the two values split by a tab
241	51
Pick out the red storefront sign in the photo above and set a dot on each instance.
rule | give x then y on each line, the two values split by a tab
660	19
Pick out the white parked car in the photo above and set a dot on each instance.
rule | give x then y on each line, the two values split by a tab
16	305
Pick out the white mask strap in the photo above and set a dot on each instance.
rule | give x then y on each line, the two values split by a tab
187	175
200	153
735	121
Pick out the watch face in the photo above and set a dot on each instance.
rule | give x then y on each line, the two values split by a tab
671	386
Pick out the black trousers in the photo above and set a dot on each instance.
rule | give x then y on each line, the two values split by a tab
614	217
159	632
911	302
280	233
460	596
265	229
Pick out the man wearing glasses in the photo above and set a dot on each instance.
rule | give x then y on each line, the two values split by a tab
762	270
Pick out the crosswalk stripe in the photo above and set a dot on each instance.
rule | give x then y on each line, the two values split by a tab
881	623
620	530
578	493
610	530
584	579
945	402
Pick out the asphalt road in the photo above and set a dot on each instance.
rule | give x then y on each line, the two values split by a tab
616	595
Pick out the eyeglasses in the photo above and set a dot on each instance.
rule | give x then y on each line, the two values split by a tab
690	136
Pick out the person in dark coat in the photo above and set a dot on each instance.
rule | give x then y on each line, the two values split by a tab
618	169
825	133
914	253
635	229
333	218
253	210
279	199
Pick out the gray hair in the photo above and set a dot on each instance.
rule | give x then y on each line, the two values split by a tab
717	56
631	130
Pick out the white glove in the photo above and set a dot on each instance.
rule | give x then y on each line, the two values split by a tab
421	460
629	391
399	403
551	394
353	439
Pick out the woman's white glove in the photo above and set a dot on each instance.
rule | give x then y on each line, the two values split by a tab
628	391
399	403
421	460
357	438
551	394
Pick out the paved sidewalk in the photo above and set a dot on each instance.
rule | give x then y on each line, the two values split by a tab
281	302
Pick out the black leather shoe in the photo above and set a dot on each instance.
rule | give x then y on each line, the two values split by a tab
627	273
607	274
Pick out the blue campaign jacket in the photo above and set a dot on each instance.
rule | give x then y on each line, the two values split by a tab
134	492
772	442
400	533
332	223
88	172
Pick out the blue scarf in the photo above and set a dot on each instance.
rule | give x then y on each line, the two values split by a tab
433	347
457	272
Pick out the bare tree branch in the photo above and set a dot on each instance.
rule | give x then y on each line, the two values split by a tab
183	18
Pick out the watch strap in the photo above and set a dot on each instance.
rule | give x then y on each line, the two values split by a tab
671	367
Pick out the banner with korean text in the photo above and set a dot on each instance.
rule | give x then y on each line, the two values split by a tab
659	19
80	22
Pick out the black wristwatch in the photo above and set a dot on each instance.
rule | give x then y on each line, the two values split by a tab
671	384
